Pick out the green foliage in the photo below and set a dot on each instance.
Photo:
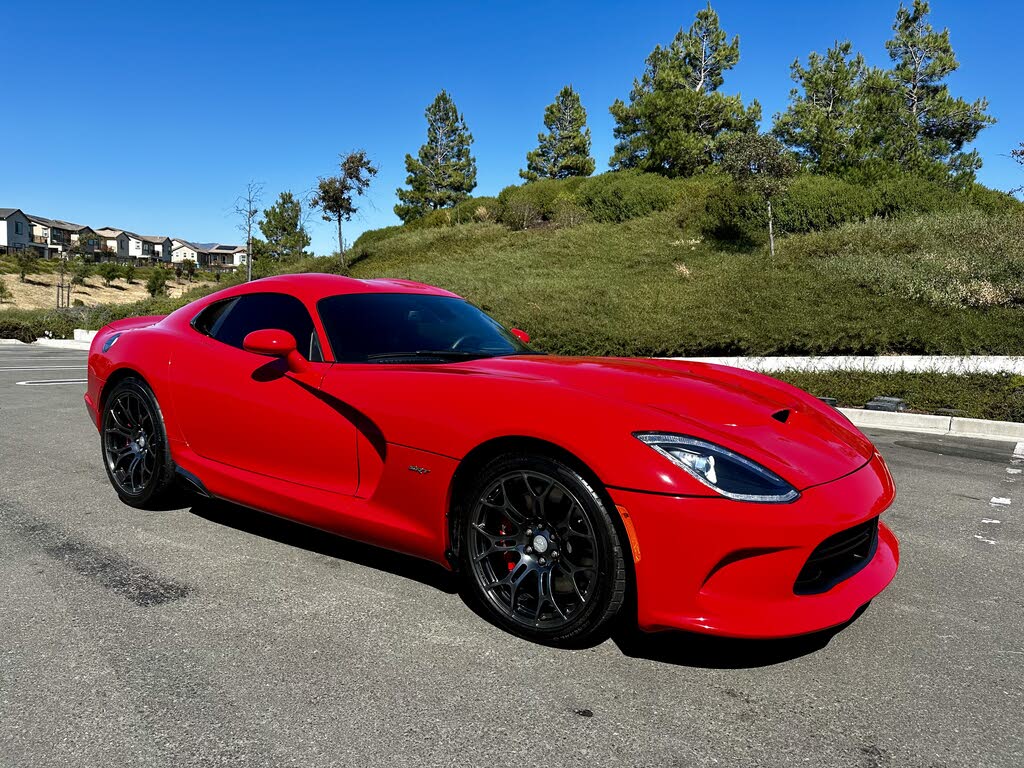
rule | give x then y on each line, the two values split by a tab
526	205
821	121
157	283
15	329
761	167
645	287
476	209
908	115
5	292
287	238
129	273
109	271
444	172
676	115
624	195
26	261
80	271
998	396
564	150
335	195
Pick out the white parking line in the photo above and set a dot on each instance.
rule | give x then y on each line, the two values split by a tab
1018	450
44	368
49	382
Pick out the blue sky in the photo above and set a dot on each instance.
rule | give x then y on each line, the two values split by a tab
152	116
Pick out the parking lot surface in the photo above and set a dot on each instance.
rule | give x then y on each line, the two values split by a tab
214	635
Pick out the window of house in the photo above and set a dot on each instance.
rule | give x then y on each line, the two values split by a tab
17	228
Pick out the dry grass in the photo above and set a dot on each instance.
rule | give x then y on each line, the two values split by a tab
40	291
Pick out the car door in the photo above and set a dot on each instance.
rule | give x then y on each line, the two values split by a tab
247	410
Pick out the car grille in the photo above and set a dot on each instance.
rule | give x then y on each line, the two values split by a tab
837	558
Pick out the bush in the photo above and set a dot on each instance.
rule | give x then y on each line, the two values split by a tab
735	216
371	236
109	271
622	195
5	292
812	203
129	273
904	194
16	329
526	205
157	283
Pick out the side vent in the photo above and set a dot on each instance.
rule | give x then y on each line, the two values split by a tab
781	416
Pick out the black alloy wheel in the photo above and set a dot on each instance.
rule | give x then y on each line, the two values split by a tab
544	556
135	450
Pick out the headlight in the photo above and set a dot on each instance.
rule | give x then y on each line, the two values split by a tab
720	469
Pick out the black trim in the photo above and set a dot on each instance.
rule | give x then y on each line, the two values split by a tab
193	482
837	558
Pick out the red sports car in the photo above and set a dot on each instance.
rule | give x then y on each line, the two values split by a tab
401	415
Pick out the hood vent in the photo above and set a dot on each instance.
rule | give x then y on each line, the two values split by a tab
781	416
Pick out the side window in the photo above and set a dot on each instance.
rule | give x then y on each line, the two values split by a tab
232	320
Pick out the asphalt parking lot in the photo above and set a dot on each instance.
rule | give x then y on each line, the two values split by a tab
213	635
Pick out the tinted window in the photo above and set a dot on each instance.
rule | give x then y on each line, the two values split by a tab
232	320
385	327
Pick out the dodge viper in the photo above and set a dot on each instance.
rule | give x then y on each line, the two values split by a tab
562	489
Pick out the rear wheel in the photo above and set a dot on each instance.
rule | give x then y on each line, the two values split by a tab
540	551
135	450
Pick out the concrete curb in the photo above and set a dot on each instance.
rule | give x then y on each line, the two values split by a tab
924	423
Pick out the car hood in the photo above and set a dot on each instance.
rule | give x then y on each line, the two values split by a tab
781	427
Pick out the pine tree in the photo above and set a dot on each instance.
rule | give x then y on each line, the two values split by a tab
564	150
677	117
444	172
908	117
822	118
286	237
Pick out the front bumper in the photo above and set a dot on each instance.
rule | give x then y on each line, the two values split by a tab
729	568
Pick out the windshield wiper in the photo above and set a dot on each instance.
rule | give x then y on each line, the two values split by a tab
442	354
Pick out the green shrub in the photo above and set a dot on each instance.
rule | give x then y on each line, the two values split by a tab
109	271
371	236
5	292
525	205
622	195
129	273
899	195
993	201
16	329
157	283
812	203
735	216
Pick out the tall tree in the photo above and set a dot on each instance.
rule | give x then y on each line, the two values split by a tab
761	166
335	195
286	237
564	150
677	117
247	209
444	171
822	118
909	116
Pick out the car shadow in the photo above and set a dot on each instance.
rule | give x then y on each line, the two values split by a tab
679	648
693	649
294	534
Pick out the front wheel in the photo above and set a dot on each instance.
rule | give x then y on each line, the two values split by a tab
135	450
540	551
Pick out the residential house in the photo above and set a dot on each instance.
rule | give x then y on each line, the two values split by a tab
121	244
216	256
183	250
15	230
157	248
55	237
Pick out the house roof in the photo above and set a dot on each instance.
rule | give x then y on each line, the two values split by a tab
56	223
154	239
6	212
109	232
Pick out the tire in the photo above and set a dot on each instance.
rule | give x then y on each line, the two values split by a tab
134	445
540	553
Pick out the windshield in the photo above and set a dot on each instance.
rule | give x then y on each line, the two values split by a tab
404	327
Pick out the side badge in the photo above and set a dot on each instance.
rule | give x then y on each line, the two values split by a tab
419	470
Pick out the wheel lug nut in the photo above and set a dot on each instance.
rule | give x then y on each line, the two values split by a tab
554	554
529	531
529	550
542	561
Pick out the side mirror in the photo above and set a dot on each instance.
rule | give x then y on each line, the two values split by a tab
523	336
276	343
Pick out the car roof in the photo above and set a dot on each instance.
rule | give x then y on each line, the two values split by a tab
313	286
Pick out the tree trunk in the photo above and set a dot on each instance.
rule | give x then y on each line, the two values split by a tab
341	246
771	231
